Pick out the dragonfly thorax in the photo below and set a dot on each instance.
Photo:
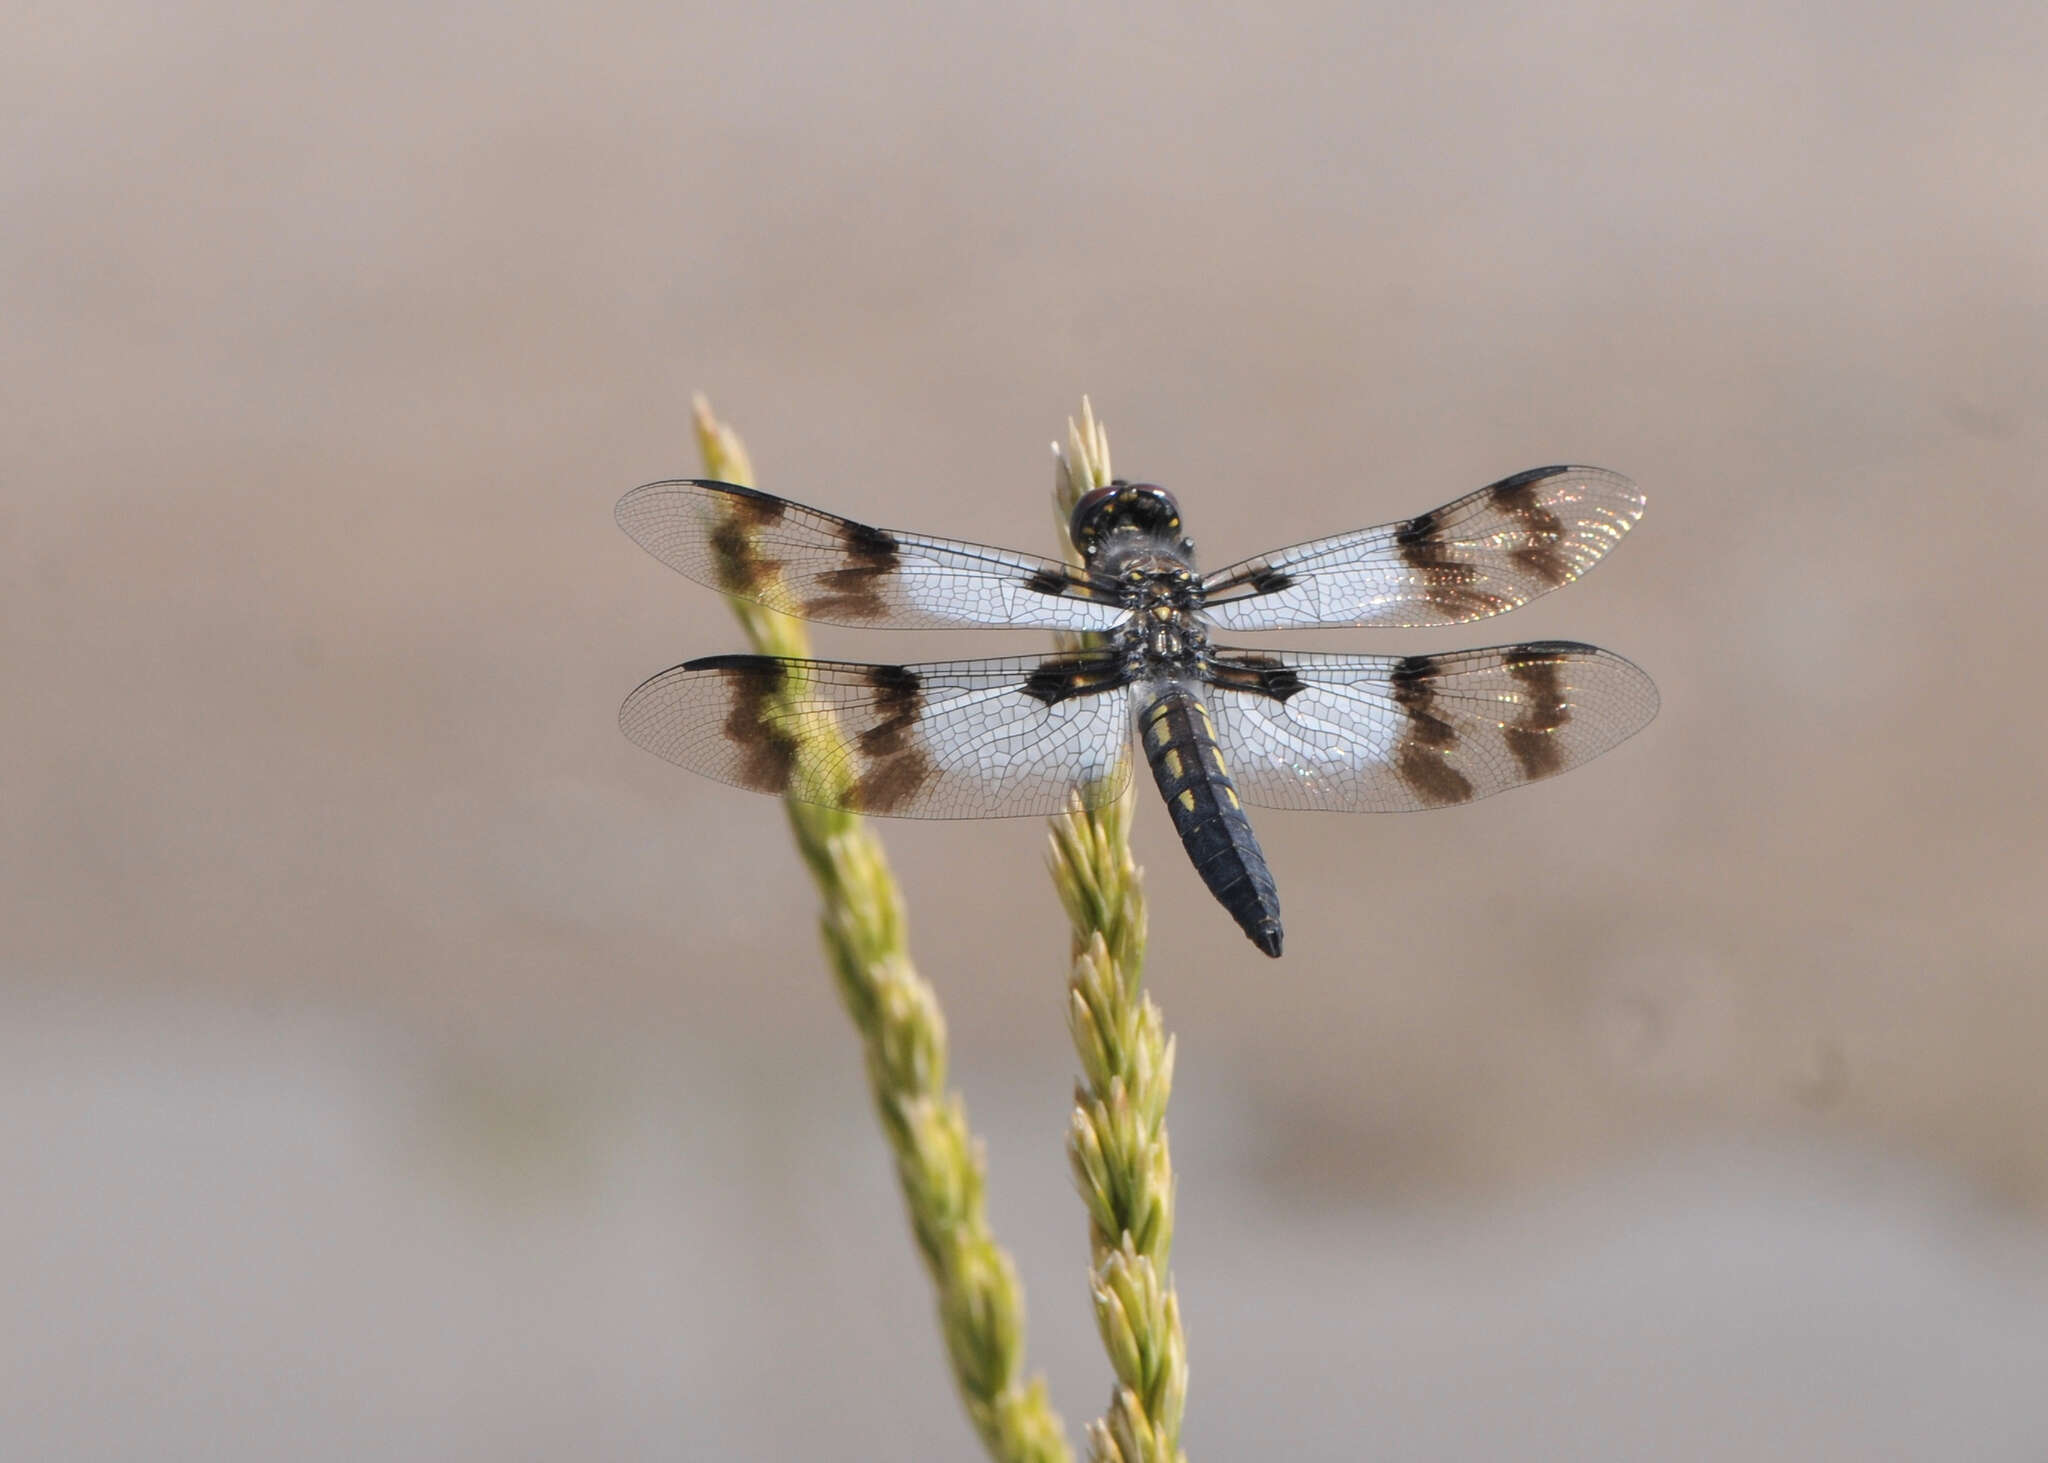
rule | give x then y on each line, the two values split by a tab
1164	597
1163	594
1163	641
1147	580
1152	567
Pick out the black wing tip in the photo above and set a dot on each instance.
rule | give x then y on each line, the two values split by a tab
729	662
1534	475
719	483
703	663
1529	477
633	495
1544	649
1536	652
1538	474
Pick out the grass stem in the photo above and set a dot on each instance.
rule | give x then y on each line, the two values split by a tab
940	1164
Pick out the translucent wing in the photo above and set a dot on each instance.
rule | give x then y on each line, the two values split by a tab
819	566
1389	734
1487	552
948	739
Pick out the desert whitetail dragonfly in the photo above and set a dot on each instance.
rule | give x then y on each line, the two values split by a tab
1220	726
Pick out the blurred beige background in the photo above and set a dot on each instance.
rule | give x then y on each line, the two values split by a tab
397	1063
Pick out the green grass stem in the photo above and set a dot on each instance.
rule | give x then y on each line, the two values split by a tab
1117	1142
939	1162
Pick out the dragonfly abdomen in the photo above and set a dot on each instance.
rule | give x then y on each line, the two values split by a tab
1180	743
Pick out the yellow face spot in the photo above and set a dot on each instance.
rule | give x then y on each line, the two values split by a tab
1187	800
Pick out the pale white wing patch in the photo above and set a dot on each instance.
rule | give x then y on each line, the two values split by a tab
946	739
819	566
1383	733
1485	553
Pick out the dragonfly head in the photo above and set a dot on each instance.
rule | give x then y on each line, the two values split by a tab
1144	509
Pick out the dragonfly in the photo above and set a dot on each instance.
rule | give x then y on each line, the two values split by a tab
1223	728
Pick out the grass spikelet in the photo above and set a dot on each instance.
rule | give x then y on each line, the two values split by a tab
1117	1140
939	1162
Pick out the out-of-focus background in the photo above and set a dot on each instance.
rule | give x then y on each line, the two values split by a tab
395	1062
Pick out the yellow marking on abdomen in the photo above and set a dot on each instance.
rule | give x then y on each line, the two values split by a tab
1187	800
1231	793
1172	760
